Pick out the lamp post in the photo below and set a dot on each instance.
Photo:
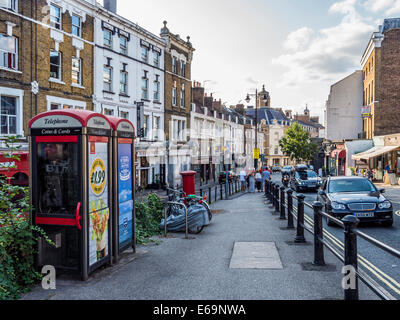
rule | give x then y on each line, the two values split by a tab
264	99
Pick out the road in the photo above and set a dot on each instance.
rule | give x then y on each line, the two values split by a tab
381	266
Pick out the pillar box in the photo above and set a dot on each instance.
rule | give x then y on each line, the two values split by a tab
189	187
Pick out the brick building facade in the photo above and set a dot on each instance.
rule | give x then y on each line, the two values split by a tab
381	78
178	96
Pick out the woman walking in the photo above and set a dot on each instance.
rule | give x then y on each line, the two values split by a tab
252	183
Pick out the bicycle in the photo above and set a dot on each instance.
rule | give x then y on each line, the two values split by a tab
180	197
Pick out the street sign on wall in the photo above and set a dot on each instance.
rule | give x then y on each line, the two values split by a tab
256	154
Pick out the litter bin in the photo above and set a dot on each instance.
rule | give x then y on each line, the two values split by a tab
189	186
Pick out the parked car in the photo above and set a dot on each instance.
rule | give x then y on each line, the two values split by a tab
304	179
342	196
222	176
276	168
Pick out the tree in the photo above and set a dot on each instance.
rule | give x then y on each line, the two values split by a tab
297	144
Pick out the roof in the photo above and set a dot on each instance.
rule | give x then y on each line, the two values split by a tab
268	114
389	24
83	116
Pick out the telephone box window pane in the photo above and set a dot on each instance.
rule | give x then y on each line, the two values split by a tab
58	178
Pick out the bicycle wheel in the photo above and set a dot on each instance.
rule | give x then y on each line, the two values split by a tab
196	230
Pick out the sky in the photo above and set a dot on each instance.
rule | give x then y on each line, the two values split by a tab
297	48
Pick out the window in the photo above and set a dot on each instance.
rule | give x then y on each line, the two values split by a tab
183	66
146	125
108	112
108	38
145	54
174	67
124	114
76	71
123	45
174	97
8	52
156	59
55	106
55	17
182	98
124	82
156	127
156	95
55	65
9	4
76	25
8	114
145	87
107	78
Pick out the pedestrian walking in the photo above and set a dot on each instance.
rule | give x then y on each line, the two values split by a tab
243	180
252	183
258	181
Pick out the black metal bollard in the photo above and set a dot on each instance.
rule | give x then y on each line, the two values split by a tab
290	209
221	192
272	194
201	192
300	219
216	194
277	205
283	213
209	195
318	235
350	256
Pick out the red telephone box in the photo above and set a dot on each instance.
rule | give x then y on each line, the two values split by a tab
123	176
70	162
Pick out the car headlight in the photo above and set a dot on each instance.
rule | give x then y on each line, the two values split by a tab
338	206
385	205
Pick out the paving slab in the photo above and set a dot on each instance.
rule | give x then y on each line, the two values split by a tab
255	255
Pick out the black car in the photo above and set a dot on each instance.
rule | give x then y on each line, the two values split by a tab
222	177
342	196
276	168
305	180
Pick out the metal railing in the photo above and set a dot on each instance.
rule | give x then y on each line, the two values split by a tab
283	203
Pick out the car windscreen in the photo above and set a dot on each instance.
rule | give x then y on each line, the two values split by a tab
305	175
351	185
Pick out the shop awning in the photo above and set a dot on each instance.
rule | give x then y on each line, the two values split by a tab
341	153
373	153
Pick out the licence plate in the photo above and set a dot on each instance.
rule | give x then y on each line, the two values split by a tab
312	185
365	215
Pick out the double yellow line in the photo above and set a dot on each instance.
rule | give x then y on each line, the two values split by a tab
389	281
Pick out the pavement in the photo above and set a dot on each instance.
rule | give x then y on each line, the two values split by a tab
245	254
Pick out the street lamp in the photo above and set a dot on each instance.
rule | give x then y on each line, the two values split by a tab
264	98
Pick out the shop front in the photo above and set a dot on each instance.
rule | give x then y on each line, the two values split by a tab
338	161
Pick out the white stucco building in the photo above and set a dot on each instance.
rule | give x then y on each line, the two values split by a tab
129	72
343	109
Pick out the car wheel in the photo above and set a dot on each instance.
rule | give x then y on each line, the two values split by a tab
387	224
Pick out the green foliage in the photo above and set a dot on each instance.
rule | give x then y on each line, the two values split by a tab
148	217
17	237
353	170
297	144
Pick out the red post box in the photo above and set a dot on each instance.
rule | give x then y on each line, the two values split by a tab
189	186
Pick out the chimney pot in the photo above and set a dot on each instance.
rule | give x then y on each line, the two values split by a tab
111	5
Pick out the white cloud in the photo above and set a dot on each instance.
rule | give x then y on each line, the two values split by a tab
298	39
331	53
388	7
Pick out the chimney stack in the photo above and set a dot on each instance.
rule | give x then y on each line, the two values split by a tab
111	5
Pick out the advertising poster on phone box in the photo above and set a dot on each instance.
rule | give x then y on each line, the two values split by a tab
125	191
